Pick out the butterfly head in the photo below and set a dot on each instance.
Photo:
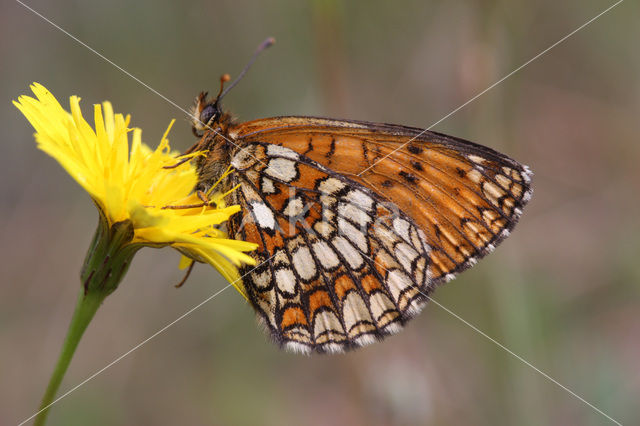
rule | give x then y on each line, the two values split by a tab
205	113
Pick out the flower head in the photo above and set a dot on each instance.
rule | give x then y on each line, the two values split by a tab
130	185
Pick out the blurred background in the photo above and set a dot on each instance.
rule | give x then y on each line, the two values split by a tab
563	291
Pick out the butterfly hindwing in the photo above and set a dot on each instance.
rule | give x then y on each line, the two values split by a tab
339	265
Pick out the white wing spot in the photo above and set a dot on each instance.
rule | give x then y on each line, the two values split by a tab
380	303
327	257
354	310
331	185
286	281
281	168
264	215
503	181
406	255
474	175
267	186
401	227
262	279
280	151
360	199
280	257
294	207
349	252
492	191
326	321
304	263
423	238
354	214
397	282
323	228
243	159
353	234
476	159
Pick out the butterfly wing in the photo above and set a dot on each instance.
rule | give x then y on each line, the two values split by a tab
339	266
381	214
464	196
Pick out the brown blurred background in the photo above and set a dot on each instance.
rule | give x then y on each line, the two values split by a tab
563	291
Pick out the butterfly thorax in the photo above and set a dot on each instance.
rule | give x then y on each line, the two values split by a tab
216	146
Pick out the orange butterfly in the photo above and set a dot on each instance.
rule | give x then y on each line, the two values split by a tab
356	222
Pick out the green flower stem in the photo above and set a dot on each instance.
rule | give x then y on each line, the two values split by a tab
84	312
107	262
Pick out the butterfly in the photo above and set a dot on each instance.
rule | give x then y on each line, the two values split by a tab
356	223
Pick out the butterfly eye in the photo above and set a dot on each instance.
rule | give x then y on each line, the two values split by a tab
207	114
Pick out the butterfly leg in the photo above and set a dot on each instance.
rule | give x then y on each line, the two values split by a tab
186	276
201	195
178	163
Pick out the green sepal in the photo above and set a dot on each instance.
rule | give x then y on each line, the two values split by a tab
109	256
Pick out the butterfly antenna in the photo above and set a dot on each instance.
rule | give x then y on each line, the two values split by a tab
223	79
264	45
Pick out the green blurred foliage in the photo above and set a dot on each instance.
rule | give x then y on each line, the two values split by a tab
562	292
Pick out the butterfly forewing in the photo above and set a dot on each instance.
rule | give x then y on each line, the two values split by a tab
465	197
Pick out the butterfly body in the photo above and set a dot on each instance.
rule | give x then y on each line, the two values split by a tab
356	222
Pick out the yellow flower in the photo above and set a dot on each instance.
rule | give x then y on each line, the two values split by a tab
129	185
